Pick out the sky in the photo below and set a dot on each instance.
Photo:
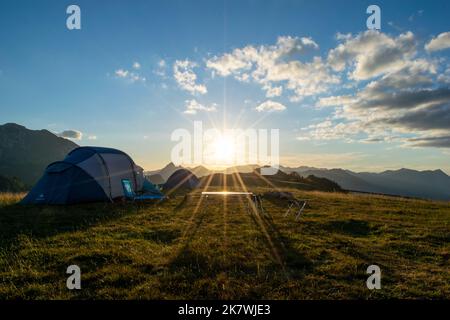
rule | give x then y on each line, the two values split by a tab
341	95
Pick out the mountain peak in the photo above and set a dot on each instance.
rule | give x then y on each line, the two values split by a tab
25	153
12	125
170	165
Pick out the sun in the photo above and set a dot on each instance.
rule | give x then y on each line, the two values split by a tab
224	150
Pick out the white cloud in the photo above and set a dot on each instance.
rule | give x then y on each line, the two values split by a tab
372	53
270	105
121	73
186	78
71	134
273	91
136	65
92	137
193	106
441	42
444	77
129	75
231	62
161	69
343	36
277	67
334	101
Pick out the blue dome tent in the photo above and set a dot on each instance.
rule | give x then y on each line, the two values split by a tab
181	179
89	174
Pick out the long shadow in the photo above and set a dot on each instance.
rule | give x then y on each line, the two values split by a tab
182	257
294	262
45	221
354	228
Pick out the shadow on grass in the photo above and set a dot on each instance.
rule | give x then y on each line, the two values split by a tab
350	227
295	262
162	235
45	221
189	235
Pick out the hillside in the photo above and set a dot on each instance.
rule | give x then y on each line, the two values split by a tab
425	184
279	180
428	184
11	184
179	250
165	172
25	153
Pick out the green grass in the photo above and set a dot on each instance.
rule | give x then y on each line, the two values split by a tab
167	251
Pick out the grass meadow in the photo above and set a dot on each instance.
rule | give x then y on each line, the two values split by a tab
180	249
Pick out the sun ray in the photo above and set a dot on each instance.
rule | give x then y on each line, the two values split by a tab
263	229
259	175
205	187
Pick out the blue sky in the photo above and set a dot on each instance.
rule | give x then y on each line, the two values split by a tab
309	68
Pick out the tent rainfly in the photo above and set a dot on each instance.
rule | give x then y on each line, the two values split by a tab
87	174
182	179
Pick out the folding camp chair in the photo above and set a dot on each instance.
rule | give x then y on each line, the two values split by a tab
299	204
131	195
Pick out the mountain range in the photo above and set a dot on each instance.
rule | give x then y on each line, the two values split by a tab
432	184
25	153
429	184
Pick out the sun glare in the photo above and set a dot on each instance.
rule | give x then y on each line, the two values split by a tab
224	150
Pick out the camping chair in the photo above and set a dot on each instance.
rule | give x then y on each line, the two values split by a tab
131	195
257	200
299	204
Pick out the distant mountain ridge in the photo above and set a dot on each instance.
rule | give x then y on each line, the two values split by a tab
199	171
428	184
25	153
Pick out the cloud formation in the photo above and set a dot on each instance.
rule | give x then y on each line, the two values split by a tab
372	53
129	75
441	42
270	105
183	71
378	87
71	134
193	106
407	99
136	65
436	142
277	68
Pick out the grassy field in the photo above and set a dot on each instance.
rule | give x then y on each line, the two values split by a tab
177	249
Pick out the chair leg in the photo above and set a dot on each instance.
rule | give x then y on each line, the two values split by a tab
288	210
300	211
